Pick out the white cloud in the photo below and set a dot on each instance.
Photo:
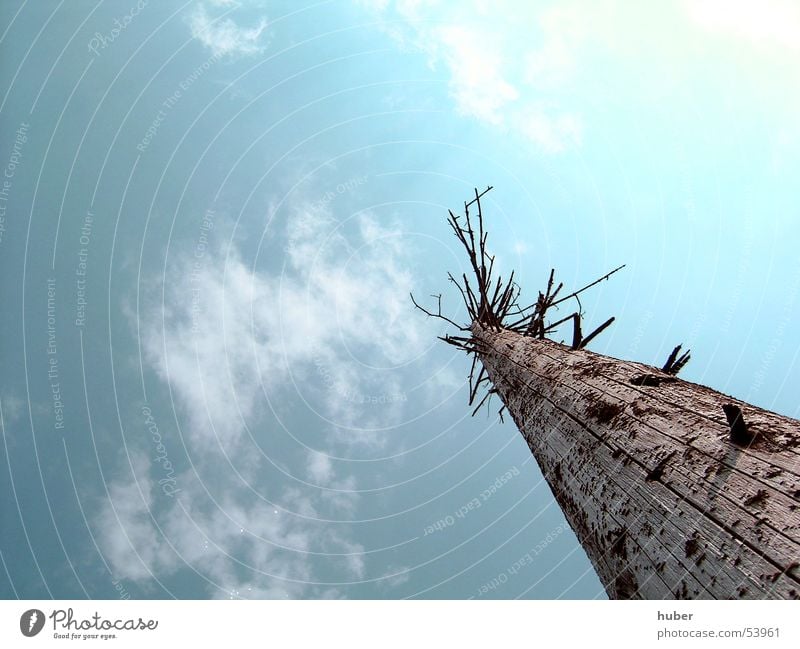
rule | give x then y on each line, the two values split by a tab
12	407
241	545
540	69
343	287
506	63
554	58
552	133
395	576
320	468
477	82
331	331
215	384
338	317
224	36
764	22
226	339
129	540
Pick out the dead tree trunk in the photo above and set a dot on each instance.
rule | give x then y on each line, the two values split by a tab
674	490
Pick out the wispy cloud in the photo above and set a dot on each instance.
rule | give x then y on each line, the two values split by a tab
127	535
542	69
319	468
477	82
224	36
241	545
13	407
502	61
329	327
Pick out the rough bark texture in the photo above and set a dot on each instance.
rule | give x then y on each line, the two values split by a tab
665	504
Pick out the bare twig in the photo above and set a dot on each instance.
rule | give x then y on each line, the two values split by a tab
486	396
438	314
596	332
588	286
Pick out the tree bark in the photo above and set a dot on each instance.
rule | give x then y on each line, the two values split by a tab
667	496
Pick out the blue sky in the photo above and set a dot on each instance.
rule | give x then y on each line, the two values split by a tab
213	381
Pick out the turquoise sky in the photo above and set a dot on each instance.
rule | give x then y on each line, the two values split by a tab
213	383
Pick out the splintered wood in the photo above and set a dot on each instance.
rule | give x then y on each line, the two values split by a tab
673	489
